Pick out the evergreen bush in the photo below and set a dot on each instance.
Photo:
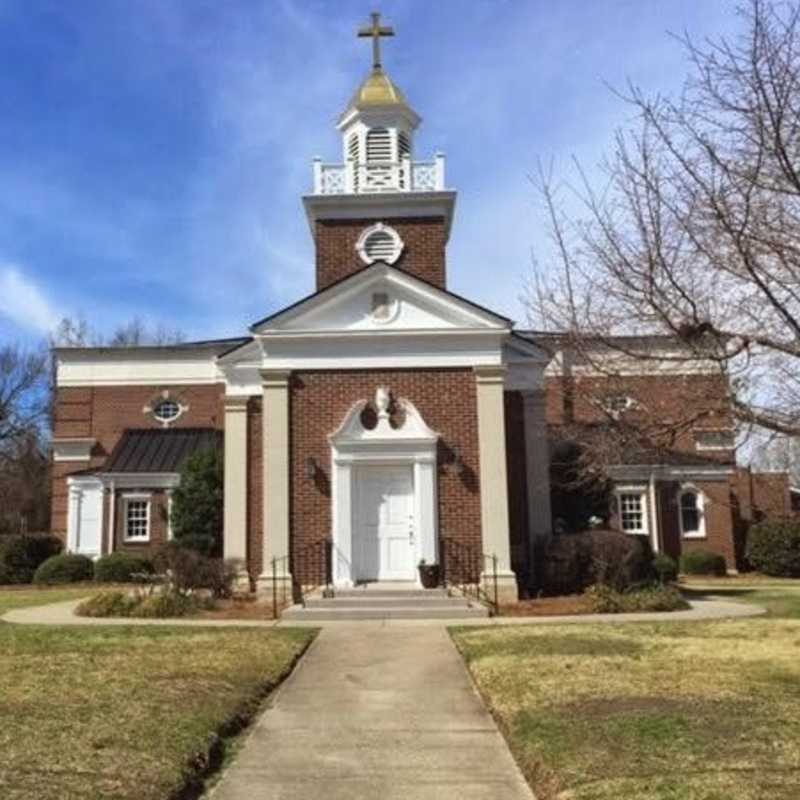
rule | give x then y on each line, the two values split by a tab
64	568
773	547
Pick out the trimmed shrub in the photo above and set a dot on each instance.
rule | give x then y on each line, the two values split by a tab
702	562
66	568
572	562
657	597
168	604
108	604
666	568
190	570
121	568
20	556
773	547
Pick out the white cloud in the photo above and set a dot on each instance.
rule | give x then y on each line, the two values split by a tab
23	302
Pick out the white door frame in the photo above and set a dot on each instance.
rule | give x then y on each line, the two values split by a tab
413	444
79	489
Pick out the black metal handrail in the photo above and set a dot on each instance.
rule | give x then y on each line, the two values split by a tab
467	568
310	567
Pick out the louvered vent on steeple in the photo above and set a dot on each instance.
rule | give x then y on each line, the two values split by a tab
379	145
380	246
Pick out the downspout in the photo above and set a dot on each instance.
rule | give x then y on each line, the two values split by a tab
655	536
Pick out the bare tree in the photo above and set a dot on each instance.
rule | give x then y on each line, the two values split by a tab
696	235
22	393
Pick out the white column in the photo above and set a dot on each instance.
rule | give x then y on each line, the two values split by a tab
275	479
493	478
235	522
537	468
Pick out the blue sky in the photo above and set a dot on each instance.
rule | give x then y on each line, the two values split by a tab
153	153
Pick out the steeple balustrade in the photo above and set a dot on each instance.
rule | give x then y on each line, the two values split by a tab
372	177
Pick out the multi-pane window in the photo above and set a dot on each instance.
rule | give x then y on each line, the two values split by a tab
691	506
137	519
632	512
167	411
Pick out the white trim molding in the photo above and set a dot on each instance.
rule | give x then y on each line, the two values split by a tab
353	445
85	499
77	448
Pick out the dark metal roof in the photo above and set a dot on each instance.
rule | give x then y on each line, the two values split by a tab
160	450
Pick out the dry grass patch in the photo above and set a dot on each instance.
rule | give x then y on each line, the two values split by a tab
673	711
126	712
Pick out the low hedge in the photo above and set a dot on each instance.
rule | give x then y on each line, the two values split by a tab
161	605
571	562
702	562
773	547
121	567
605	600
20	556
65	568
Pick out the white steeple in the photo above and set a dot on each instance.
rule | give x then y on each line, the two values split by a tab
377	130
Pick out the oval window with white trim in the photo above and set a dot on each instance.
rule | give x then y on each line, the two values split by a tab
167	411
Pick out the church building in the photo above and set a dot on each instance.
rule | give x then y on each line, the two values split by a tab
383	416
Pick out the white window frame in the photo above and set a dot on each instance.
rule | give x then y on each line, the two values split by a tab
137	497
641	493
700	533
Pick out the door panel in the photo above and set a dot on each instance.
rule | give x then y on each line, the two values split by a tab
383	547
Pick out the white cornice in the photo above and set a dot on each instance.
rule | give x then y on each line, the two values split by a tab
380	206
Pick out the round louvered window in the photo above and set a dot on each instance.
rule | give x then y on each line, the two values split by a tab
379	243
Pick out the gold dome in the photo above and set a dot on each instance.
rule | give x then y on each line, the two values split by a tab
377	90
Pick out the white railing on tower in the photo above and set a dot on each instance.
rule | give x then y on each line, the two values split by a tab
359	177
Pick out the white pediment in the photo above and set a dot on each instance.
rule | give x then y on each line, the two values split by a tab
382	298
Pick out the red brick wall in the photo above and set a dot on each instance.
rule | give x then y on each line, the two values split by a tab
720	534
684	402
423	253
446	399
104	412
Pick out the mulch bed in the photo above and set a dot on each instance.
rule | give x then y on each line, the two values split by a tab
548	607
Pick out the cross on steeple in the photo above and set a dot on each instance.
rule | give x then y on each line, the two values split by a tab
375	30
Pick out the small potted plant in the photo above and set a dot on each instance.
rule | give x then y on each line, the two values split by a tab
428	575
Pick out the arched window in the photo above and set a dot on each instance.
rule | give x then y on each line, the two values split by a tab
692	513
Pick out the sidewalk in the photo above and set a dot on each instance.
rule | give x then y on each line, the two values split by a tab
386	716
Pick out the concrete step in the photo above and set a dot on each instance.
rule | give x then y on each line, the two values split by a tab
366	612
402	593
382	601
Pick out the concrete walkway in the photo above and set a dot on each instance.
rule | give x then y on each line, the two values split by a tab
707	609
385	716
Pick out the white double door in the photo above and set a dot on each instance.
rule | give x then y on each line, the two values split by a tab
384	546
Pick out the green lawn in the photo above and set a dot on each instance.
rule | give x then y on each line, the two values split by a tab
18	597
781	597
671	711
123	712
